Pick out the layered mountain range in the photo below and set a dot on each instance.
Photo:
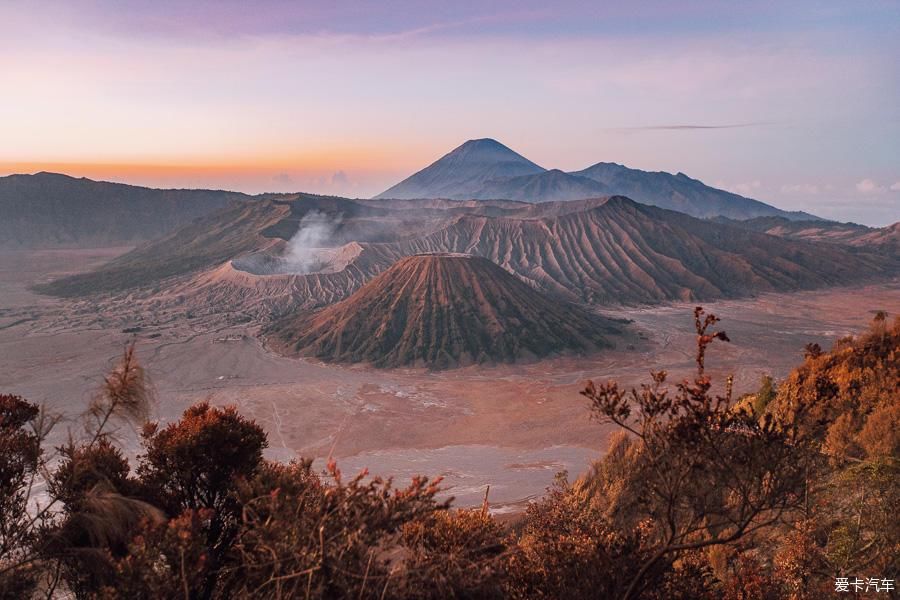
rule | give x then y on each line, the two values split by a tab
432	282
486	169
605	250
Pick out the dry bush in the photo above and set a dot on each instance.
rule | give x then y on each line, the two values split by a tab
847	401
125	395
455	554
86	466
194	465
306	537
567	550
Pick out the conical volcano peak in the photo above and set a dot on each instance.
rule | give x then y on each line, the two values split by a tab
488	149
442	310
483	143
463	171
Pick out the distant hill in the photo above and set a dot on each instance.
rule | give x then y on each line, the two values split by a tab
463	172
879	239
885	239
486	169
438	311
52	210
209	240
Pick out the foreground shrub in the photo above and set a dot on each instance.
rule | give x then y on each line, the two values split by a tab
453	554
304	537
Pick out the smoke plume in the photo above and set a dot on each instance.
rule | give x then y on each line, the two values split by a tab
316	231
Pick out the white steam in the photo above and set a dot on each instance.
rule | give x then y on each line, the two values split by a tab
316	231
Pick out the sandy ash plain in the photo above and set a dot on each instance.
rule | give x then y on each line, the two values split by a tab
511	427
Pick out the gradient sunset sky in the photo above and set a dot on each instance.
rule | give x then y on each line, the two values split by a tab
794	103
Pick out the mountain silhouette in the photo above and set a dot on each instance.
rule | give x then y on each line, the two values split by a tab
486	169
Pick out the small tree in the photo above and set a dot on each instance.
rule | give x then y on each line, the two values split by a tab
709	475
764	395
20	460
195	465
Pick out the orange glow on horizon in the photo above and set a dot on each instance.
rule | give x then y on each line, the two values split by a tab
322	158
368	172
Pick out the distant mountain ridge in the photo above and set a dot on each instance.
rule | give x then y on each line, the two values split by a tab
682	193
47	210
53	210
485	169
877	239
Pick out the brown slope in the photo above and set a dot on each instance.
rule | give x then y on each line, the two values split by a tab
208	241
441	310
231	286
885	239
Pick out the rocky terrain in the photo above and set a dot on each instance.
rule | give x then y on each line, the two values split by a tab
442	310
344	280
207	241
622	252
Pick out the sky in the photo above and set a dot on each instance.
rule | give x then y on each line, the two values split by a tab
793	103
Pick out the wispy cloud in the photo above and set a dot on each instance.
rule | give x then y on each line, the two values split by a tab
896	187
461	24
690	127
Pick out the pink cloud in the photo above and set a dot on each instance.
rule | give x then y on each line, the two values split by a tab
869	186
